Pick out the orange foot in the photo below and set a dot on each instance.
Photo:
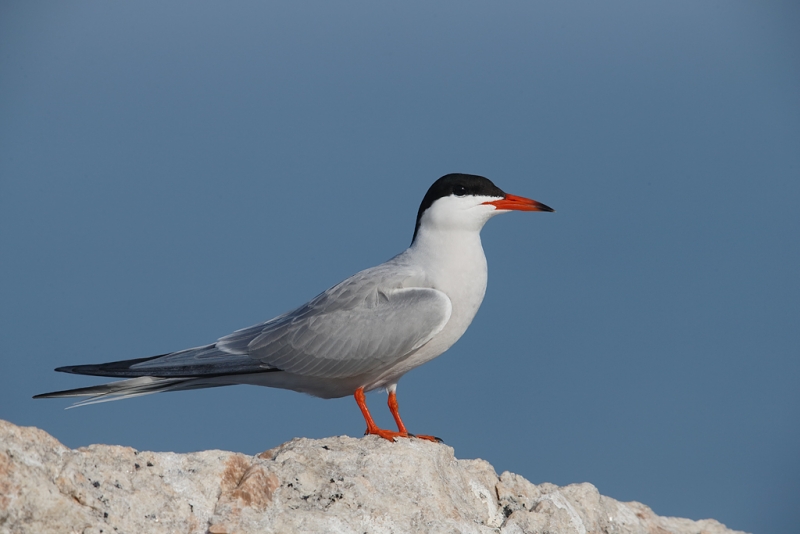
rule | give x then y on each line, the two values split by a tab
426	437
392	435
372	428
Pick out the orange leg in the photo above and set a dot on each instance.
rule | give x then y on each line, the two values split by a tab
396	412
400	426
372	428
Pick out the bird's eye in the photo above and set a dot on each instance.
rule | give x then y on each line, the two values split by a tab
459	190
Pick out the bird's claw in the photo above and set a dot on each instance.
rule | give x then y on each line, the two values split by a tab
391	435
426	437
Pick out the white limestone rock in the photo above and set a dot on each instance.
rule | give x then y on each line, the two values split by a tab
336	485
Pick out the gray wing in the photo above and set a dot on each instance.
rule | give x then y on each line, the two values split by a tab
364	324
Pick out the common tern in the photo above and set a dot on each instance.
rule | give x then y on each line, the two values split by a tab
360	335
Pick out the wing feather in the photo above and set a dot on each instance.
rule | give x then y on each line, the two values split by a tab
367	323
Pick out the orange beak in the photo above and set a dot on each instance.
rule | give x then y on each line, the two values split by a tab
513	202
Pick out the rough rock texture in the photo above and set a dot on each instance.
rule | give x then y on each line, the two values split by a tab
336	484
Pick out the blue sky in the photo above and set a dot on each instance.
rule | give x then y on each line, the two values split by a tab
170	172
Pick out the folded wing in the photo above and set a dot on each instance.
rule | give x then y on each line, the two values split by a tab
346	332
363	325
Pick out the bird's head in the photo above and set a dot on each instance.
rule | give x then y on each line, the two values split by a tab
465	202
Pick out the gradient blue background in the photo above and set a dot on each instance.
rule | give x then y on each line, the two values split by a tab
170	172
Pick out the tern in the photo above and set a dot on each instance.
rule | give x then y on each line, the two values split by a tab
362	334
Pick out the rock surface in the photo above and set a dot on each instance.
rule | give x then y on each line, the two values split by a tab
338	484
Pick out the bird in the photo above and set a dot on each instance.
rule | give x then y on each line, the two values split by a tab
360	335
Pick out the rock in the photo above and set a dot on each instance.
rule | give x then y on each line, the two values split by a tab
338	484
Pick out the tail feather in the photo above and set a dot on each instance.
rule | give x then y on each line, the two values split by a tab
195	368
126	389
118	368
205	361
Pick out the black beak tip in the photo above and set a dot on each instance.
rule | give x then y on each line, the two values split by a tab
545	207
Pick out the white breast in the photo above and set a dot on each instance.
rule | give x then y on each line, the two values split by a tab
455	264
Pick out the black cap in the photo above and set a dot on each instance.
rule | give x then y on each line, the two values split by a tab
459	185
